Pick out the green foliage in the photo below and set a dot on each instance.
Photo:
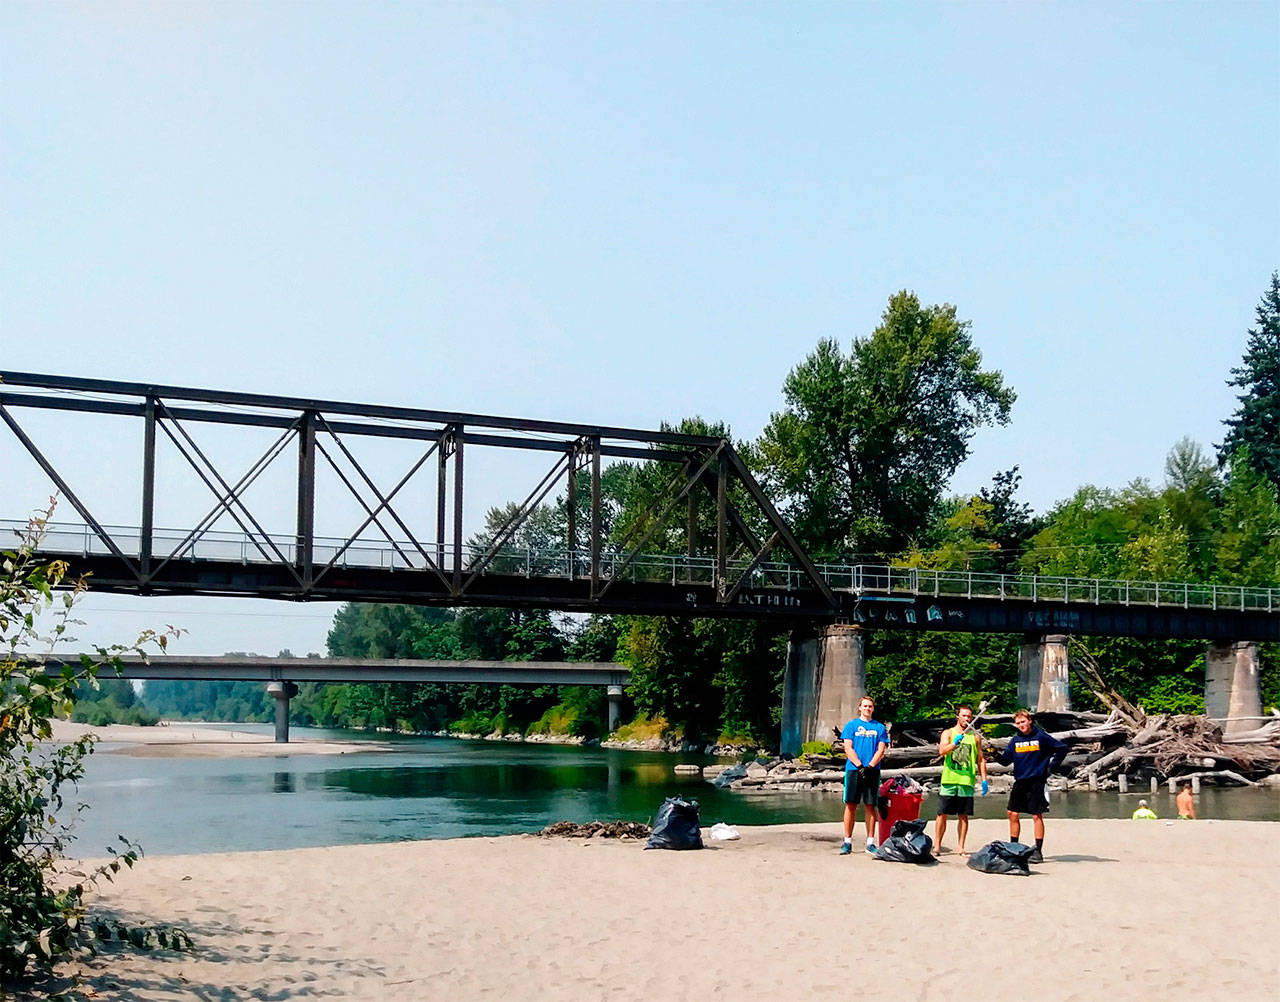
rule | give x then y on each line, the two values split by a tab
1175	694
916	675
101	712
596	640
362	630
198	699
868	442
473	723
1269	676
707	675
646	728
111	701
1164	676
735	734
1247	545
39	921
816	748
576	717
1255	426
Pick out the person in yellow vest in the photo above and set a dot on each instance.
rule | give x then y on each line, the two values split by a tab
963	764
1144	813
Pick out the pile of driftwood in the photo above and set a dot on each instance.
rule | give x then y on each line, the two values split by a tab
1171	748
1185	747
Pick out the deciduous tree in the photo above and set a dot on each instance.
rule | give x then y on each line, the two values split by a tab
868	442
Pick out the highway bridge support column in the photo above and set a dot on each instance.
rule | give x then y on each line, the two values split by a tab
283	692
1044	681
1231	685
614	693
825	678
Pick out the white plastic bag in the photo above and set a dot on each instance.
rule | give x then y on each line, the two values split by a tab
722	832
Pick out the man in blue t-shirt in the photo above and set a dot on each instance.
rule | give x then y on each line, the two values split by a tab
865	742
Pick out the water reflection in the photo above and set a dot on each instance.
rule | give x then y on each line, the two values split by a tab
283	782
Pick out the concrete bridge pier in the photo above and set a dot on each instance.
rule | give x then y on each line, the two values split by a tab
1044	680
614	693
825	677
283	692
1231	684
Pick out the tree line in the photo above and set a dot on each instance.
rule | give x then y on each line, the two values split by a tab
858	461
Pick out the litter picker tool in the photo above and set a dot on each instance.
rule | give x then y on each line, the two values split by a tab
982	709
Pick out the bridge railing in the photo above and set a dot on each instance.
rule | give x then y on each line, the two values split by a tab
888	580
73	540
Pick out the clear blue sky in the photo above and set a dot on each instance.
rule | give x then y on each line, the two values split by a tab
629	213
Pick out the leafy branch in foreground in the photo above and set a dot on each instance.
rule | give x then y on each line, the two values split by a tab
39	919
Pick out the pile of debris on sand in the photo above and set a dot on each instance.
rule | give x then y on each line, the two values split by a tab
597	829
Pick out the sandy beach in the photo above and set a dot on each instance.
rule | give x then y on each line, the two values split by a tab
193	740
1120	910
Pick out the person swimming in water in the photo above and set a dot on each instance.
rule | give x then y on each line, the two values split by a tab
1186	802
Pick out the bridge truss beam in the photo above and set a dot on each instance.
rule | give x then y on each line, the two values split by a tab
437	571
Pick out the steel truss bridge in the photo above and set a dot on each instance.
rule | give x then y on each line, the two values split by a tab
739	557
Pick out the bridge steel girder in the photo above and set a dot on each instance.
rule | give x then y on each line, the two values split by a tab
990	615
355	584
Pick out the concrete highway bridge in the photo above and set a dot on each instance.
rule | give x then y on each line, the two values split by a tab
282	674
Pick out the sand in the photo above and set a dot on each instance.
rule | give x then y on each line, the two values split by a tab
1119	910
186	740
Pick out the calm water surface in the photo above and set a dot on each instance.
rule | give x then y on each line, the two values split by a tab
444	788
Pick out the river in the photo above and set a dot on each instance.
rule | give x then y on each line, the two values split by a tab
445	788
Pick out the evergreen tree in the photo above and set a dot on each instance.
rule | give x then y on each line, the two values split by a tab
1256	424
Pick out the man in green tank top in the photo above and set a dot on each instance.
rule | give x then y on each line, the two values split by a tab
962	765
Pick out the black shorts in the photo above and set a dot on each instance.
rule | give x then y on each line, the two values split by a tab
1028	796
959	806
862	786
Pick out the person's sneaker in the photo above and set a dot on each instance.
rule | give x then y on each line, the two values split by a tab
1035	857
845	849
871	848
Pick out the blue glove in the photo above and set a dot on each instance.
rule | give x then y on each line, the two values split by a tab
985	787
957	739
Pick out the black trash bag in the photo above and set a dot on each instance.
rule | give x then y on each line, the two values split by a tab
905	829
907	843
1002	857
676	826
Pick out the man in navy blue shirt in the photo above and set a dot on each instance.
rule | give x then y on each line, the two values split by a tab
865	742
1033	755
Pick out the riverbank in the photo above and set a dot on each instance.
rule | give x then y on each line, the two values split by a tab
189	739
1117	908
193	740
